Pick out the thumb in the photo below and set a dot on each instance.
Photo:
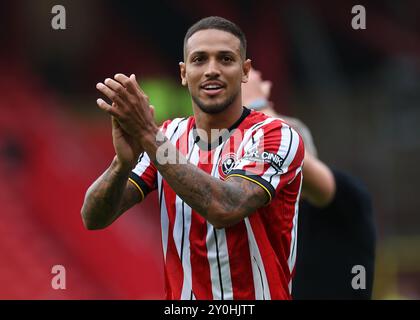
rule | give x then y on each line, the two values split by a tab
115	124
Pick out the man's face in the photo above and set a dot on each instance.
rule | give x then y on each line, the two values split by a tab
214	69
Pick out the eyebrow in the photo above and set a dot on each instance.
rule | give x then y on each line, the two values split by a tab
219	52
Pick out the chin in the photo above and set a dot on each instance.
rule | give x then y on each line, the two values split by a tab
214	107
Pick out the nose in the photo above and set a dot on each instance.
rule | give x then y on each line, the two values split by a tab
212	70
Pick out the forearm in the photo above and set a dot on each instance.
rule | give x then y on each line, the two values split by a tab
219	202
318	182
104	197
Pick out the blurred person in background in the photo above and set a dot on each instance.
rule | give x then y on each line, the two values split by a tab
335	226
229	201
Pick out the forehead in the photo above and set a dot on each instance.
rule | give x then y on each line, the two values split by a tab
213	40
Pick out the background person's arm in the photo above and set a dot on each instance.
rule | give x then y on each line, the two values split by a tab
318	182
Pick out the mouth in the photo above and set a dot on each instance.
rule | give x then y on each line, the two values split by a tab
212	88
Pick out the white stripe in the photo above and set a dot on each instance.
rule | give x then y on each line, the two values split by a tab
247	141
293	242
255	133
164	219
142	165
181	123
186	257
214	263
287	140
224	277
262	290
284	145
186	262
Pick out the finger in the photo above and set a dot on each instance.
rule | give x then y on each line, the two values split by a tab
152	110
107	108
115	123
266	88
107	91
116	86
136	84
130	83
127	82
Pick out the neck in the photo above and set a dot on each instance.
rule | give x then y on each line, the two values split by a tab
223	120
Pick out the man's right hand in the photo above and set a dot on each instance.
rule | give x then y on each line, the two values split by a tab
126	149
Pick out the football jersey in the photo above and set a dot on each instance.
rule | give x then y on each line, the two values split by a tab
255	258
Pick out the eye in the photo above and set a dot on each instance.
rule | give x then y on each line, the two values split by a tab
227	59
197	59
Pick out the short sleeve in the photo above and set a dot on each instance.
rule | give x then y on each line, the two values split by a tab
271	156
144	175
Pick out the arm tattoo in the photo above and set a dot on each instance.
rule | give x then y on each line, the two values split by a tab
107	198
230	200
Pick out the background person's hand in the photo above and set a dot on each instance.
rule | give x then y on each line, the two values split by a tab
255	88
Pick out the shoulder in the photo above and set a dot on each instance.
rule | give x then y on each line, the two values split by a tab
169	127
260	122
304	132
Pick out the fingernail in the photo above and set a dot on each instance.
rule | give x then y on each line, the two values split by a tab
99	101
99	85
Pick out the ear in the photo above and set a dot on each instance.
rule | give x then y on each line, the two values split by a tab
246	68
182	70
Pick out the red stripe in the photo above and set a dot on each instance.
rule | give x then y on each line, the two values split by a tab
240	262
173	266
201	278
274	270
200	269
270	141
238	246
294	164
149	176
174	273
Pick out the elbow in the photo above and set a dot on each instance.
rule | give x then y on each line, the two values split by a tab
89	224
320	196
92	226
221	219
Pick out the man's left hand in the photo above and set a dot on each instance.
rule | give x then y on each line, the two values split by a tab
130	106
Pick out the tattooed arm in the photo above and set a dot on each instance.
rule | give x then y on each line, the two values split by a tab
222	203
109	197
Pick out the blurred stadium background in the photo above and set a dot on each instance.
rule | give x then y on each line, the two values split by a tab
358	91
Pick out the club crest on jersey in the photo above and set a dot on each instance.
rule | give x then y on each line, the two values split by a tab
272	158
226	164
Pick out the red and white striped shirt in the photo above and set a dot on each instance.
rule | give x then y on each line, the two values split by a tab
253	259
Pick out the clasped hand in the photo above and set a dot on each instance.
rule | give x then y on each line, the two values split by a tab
130	105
